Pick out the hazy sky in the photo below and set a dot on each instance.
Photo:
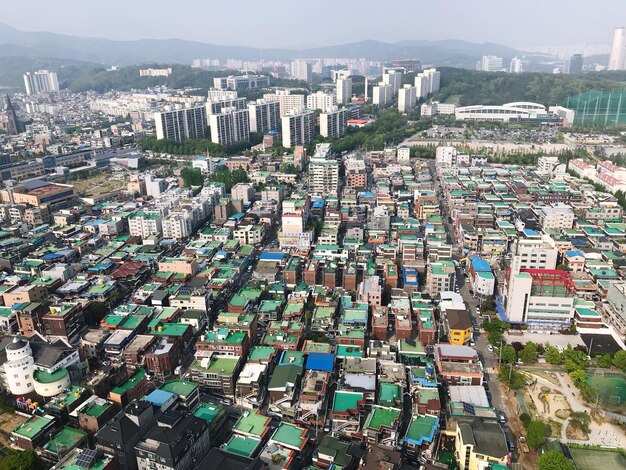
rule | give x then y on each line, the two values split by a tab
281	23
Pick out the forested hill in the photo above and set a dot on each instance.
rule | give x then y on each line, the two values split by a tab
468	87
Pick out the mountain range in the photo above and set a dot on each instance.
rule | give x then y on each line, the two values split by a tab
16	43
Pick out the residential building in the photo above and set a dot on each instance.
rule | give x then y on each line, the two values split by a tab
334	123
480	443
241	82
301	70
298	128
406	98
41	81
617	58
344	90
382	94
181	124
490	63
322	101
230	126
264	116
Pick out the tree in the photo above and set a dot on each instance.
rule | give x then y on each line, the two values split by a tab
619	360
605	361
508	354
525	419
574	359
536	434
509	376
27	460
579	377
192	177
495	337
554	460
528	355
553	356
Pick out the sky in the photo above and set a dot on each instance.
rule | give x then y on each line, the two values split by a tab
293	23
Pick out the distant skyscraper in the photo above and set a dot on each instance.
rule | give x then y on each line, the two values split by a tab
301	70
406	98
393	77
344	90
618	50
13	125
41	81
490	63
574	65
516	65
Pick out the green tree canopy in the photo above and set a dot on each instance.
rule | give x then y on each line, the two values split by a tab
536	434
192	177
528	355
579	377
554	460
553	356
619	360
508	354
605	361
27	460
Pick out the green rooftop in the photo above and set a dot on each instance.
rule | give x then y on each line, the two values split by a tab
33	426
382	416
221	364
289	435
389	394
47	378
242	445
131	383
347	401
171	329
96	410
209	412
252	423
349	351
66	439
261	353
179	387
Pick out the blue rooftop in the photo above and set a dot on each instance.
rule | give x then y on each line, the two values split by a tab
480	264
159	397
272	132
531	233
318	204
272	256
321	361
572	253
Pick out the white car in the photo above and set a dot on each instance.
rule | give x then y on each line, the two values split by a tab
490	347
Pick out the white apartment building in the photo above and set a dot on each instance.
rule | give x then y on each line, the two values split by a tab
528	301
382	94
298	127
218	106
533	253
250	234
221	95
556	217
490	63
155	72
154	186
301	70
615	308
393	77
322	101
516	65
144	225
230	126
435	108
427	82
617	58
344	90
406	98
41	81
181	124
241	82
177	226
334	123
288	101
324	177
264	116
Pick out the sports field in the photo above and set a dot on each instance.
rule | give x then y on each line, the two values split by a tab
610	387
593	459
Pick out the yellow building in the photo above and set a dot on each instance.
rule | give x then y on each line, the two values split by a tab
459	326
480	443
